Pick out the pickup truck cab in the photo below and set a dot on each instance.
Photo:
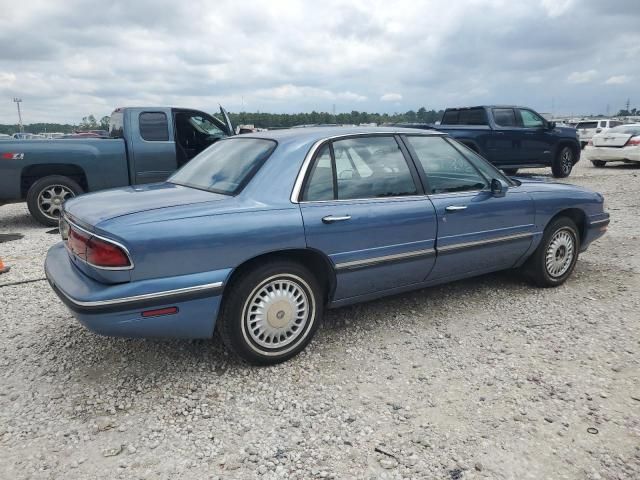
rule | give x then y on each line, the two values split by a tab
512	137
145	145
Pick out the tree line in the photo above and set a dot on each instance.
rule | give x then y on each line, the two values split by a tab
258	119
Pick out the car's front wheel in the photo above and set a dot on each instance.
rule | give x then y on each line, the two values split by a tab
563	163
271	312
598	163
556	256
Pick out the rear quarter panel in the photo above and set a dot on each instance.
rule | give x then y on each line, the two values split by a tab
103	161
206	243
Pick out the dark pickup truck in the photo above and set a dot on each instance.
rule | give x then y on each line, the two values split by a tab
145	145
512	137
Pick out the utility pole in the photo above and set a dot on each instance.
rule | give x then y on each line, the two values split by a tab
17	101
628	104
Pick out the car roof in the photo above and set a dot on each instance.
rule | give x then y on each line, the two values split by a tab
311	134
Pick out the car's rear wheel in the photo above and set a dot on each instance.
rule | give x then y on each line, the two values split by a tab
556	256
598	163
510	171
270	313
46	196
563	163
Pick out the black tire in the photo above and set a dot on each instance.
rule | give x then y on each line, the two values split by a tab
563	163
510	171
537	267
239	323
67	187
598	163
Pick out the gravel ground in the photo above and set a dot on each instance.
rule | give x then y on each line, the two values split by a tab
484	378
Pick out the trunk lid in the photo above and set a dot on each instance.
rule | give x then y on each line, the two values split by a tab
611	139
93	208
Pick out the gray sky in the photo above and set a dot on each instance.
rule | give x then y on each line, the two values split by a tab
69	59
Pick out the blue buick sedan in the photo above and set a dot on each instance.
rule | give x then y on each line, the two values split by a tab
260	233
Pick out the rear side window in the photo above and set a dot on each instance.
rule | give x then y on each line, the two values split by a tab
450	117
504	117
613	123
363	167
154	126
582	125
226	166
447	170
116	124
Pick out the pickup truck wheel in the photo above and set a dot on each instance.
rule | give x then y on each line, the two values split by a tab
46	196
271	312
556	256
563	163
510	171
598	163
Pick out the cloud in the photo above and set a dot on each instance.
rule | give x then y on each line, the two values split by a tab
582	77
391	97
617	80
282	56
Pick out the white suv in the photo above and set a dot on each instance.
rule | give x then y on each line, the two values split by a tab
588	128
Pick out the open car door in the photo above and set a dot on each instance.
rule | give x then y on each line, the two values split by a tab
227	121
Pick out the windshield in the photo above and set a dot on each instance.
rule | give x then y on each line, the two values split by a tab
225	167
628	129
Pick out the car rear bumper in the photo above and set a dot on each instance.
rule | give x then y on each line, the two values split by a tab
610	154
127	310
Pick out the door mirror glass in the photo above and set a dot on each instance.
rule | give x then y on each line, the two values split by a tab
497	188
551	125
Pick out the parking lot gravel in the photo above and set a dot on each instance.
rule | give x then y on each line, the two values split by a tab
483	378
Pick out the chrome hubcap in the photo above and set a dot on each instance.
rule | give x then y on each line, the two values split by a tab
560	253
277	312
50	200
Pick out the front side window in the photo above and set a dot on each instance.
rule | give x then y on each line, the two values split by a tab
504	117
204	125
225	167
530	119
154	126
447	170
363	167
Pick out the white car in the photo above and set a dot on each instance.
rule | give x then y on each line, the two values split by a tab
588	128
619	144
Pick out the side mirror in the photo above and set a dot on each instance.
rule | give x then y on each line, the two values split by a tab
598	130
498	189
551	125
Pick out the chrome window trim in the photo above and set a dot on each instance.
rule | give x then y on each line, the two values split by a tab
385	258
104	239
147	296
297	186
478	243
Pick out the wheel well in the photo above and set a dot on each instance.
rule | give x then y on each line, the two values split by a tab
33	173
577	216
319	265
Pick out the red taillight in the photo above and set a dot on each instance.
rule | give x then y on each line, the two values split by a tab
96	251
104	254
77	243
633	142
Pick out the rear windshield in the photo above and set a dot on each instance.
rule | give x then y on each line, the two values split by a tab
587	125
226	166
116	123
468	116
628	129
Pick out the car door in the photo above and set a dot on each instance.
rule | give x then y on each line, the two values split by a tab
537	141
363	206
503	145
154	152
477	230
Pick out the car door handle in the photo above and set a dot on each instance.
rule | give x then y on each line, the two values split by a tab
333	219
455	208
